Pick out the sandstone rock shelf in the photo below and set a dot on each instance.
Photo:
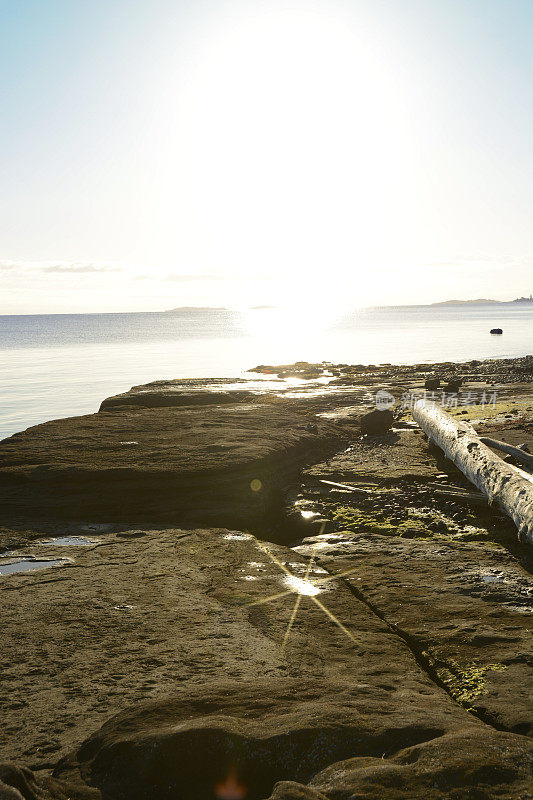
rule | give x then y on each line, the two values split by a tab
181	654
187	464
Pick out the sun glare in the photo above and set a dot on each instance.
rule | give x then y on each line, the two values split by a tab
290	143
301	586
288	331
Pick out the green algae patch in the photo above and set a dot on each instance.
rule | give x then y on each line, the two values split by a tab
472	534
489	410
466	684
353	518
347	517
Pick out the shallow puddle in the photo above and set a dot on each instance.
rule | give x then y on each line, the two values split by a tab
497	578
29	565
65	541
97	527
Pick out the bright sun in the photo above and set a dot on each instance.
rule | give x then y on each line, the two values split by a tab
290	142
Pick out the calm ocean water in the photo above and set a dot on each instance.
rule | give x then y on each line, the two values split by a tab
62	365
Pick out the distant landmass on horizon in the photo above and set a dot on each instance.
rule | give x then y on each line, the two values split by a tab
483	302
478	302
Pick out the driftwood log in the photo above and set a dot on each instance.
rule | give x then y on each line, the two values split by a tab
517	452
511	488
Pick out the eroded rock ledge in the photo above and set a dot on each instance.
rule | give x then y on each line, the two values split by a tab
193	463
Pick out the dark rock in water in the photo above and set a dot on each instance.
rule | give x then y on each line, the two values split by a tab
432	384
214	464
300	369
496	330
376	421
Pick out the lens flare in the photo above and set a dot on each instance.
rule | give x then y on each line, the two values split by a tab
230	788
302	587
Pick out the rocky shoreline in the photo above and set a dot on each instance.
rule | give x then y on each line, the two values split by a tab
224	589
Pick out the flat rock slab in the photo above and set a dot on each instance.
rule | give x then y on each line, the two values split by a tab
186	464
141	613
396	455
160	394
186	637
466	608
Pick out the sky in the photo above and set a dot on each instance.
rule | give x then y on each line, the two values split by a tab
326	154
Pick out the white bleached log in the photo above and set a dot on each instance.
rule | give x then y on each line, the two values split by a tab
511	488
517	453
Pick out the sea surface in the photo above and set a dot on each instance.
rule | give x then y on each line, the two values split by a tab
62	365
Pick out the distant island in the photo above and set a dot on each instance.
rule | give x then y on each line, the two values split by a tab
217	310
483	302
195	309
210	309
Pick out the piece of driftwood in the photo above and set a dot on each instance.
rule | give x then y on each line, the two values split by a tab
460	495
516	452
508	486
347	487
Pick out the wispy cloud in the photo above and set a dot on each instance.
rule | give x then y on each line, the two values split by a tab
477	259
67	267
78	268
180	278
205	276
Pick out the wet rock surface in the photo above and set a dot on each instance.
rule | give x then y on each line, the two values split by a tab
145	613
164	651
464	608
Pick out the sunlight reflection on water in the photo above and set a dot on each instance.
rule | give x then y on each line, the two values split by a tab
64	365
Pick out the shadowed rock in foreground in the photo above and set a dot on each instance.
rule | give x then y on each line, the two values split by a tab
195	463
146	625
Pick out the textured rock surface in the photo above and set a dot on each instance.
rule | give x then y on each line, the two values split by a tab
159	751
169	627
458	766
377	421
19	783
465	608
186	464
393	455
162	394
163	662
141	613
